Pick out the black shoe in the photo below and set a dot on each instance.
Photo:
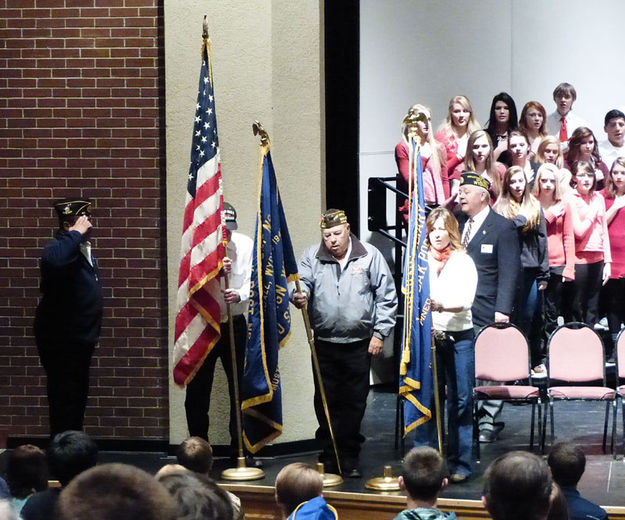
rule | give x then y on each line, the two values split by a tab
353	472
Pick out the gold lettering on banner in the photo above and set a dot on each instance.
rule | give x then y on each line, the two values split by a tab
275	380
425	311
280	292
267	223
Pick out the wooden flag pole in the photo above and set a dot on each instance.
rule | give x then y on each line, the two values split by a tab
317	370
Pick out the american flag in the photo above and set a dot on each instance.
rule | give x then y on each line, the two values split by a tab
198	321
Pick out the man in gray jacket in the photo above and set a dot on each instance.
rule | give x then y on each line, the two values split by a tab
351	302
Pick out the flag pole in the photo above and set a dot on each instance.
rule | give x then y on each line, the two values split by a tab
313	351
241	472
437	399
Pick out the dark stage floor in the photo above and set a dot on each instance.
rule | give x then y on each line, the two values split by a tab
581	423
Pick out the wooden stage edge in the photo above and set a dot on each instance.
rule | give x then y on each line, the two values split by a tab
258	503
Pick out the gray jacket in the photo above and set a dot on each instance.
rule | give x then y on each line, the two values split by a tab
348	305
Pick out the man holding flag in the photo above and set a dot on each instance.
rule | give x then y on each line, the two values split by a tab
351	300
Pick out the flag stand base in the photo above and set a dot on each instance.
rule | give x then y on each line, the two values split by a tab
329	479
386	483
242	472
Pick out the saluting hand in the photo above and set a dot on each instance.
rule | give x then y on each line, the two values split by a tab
81	225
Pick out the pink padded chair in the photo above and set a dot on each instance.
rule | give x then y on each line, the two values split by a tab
576	360
502	356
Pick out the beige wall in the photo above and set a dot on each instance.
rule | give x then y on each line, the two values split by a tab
267	65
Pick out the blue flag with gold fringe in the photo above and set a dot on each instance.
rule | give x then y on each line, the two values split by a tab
416	377
269	317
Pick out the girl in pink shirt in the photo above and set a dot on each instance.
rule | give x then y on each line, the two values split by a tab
433	161
456	129
592	244
613	293
560	242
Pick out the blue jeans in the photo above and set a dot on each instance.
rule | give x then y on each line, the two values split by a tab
456	369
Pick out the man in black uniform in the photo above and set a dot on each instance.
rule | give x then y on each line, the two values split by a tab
69	315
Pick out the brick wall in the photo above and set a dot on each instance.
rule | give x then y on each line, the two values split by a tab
82	112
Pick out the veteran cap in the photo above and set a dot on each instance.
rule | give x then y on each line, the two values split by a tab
333	217
230	216
473	179
72	207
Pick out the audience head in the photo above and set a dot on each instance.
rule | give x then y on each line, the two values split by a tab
297	483
584	178
614	126
567	462
442	229
517	486
583	146
195	454
473	195
549	151
424	474
564	95
27	471
615	182
502	113
115	492
197	497
533	118
70	453
547	182
460	115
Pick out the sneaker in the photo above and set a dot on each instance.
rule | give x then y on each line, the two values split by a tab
539	371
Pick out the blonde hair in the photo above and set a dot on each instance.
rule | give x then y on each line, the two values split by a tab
540	153
548	167
435	159
510	208
491	164
451	225
464	102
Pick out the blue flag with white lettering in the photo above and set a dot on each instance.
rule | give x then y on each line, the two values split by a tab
416	378
269	317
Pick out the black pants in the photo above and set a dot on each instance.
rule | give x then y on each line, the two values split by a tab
585	294
345	374
553	300
198	395
67	368
613	299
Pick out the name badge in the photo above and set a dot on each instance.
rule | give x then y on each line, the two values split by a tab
487	248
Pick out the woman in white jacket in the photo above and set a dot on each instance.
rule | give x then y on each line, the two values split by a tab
453	281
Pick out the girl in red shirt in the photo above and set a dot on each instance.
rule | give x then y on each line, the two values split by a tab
592	244
560	242
613	293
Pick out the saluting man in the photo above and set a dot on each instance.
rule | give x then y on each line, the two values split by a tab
351	303
69	315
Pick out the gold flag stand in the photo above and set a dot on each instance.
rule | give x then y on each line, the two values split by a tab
385	483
